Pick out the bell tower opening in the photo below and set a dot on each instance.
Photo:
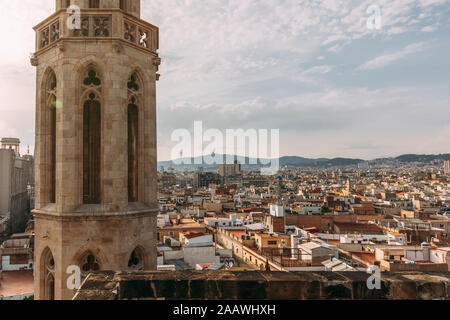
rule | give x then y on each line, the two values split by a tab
91	150
133	145
52	106
49	119
91	139
134	87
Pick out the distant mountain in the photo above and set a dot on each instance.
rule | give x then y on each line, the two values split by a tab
321	162
422	157
253	163
293	161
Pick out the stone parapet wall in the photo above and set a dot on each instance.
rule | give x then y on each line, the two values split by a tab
259	285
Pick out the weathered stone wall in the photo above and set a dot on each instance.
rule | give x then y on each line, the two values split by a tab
259	285
109	237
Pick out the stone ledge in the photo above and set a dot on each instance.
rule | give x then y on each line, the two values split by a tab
92	213
261	285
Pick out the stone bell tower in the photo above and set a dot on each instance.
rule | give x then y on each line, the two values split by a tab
95	192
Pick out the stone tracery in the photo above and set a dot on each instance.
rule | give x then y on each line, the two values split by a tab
49	276
89	263
130	30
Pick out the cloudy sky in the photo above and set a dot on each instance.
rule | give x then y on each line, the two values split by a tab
310	68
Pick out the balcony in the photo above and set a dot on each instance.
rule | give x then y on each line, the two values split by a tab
97	25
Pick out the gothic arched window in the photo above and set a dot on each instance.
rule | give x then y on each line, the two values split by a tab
89	263
50	91
134	96
91	138
136	260
49	274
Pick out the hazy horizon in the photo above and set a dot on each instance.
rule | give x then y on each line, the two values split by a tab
332	157
312	69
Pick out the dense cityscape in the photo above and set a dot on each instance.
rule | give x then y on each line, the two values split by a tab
348	218
391	214
89	209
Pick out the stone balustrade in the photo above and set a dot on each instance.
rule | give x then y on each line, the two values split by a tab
97	24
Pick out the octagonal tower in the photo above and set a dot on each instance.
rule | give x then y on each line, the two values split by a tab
95	193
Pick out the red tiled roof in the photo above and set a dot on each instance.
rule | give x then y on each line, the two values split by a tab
16	283
238	233
191	235
357	227
365	256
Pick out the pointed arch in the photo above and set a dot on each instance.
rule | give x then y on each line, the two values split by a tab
48	268
82	93
47	135
82	69
88	262
137	259
140	71
81	253
136	87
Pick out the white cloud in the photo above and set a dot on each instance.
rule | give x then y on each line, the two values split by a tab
429	28
389	58
318	70
360	121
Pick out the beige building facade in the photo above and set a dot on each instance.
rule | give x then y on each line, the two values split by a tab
16	183
96	156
